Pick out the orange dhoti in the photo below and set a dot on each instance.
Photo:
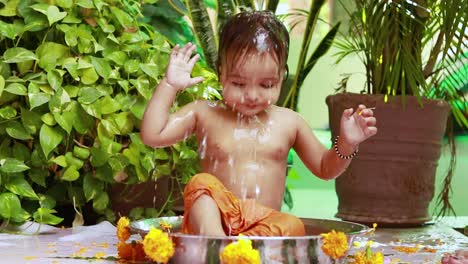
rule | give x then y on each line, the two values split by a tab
239	216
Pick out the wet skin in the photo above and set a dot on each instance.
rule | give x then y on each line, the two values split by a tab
244	141
248	155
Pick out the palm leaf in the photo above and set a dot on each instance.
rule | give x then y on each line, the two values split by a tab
225	9
290	100
203	30
246	4
319	51
272	5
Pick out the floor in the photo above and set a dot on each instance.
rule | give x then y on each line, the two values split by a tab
316	198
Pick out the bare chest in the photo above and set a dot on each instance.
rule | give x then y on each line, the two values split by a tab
266	141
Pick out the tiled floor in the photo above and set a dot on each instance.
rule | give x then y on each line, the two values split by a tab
316	198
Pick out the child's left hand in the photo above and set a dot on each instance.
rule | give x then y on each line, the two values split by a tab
357	126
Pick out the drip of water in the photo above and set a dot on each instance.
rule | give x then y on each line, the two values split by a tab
187	134
232	179
257	191
212	104
180	119
202	147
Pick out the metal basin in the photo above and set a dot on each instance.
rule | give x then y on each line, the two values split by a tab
196	249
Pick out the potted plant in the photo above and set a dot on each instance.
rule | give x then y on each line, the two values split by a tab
408	49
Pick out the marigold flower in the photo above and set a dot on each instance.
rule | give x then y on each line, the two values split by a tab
335	244
131	251
367	256
374	258
407	249
158	245
123	230
99	255
240	252
165	226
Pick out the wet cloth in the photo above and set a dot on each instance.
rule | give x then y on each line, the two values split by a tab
239	216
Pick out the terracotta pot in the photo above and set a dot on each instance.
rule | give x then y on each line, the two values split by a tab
391	180
151	194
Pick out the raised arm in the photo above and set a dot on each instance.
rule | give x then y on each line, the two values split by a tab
159	128
327	164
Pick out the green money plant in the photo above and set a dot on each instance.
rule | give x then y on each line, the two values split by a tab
75	78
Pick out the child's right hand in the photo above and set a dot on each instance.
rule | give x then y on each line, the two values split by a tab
178	73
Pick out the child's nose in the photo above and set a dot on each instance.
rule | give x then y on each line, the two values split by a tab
251	96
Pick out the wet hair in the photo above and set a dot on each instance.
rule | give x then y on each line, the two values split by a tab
251	32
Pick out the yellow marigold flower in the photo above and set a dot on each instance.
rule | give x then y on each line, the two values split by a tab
131	251
165	226
372	230
158	245
99	255
356	244
368	257
240	252
335	244
123	230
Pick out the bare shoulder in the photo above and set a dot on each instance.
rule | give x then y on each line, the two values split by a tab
286	115
198	106
206	111
202	106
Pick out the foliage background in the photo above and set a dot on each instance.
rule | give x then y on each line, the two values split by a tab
74	83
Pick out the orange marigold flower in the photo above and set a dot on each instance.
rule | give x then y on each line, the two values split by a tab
406	249
158	245
335	244
240	252
123	230
131	251
430	250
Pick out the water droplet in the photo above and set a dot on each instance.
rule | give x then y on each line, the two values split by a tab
202	148
257	191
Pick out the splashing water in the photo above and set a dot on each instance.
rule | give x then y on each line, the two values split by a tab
202	147
260	41
249	132
215	165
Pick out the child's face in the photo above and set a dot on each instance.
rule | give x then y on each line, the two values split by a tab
253	84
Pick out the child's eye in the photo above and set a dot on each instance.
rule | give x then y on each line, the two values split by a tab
238	84
268	85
